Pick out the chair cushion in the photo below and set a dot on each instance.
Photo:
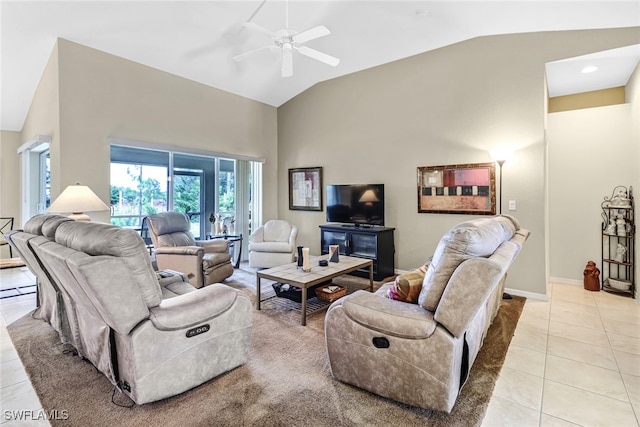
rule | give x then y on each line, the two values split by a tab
277	230
214	259
179	238
475	238
34	224
387	316
283	247
169	222
51	224
94	238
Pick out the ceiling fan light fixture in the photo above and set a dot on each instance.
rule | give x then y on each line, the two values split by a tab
287	40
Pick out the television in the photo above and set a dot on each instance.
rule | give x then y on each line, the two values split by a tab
358	204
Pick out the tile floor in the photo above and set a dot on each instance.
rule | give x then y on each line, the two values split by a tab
574	360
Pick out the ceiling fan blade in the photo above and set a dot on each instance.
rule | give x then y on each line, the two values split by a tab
311	34
315	54
249	52
259	29
287	61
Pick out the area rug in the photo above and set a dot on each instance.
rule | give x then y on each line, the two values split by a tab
286	381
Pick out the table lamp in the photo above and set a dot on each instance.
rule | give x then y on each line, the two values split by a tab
77	199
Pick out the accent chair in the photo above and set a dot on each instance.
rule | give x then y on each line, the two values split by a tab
272	244
203	261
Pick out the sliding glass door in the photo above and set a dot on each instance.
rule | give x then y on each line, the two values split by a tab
145	181
187	197
137	190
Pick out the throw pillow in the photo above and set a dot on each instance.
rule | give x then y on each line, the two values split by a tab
407	286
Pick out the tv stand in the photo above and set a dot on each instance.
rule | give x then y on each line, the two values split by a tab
374	243
356	225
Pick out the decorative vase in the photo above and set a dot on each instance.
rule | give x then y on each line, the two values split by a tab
306	260
334	253
299	256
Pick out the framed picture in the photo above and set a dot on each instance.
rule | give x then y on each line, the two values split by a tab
305	189
457	189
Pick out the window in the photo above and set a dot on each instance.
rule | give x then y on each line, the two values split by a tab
44	199
226	207
137	190
146	181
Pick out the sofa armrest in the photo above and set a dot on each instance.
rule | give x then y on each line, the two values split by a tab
214	246
467	291
179	250
388	316
193	308
167	277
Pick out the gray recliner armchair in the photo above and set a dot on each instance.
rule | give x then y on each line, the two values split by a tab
203	261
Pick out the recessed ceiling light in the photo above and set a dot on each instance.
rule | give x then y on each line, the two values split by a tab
422	12
589	69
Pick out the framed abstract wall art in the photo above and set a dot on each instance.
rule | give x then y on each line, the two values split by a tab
305	189
457	189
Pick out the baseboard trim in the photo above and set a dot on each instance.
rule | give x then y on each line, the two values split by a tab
564	281
528	295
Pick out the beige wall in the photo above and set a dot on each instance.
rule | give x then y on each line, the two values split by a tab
447	106
44	119
633	97
591	151
10	179
103	96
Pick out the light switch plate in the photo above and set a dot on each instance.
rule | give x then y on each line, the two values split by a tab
512	205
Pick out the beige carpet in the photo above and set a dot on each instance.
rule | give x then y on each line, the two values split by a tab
286	382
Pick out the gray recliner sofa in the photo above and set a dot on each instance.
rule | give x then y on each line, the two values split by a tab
153	337
421	353
50	297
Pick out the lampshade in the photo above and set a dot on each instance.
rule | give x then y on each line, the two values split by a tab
369	197
77	199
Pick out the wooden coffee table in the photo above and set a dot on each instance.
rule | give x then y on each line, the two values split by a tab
294	276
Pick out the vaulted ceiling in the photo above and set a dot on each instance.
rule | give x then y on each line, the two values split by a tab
198	40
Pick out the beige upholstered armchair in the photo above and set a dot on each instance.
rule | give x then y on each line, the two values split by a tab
204	262
272	244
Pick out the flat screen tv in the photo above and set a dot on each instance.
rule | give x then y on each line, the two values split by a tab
359	204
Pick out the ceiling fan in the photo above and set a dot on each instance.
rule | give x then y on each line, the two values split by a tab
287	41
